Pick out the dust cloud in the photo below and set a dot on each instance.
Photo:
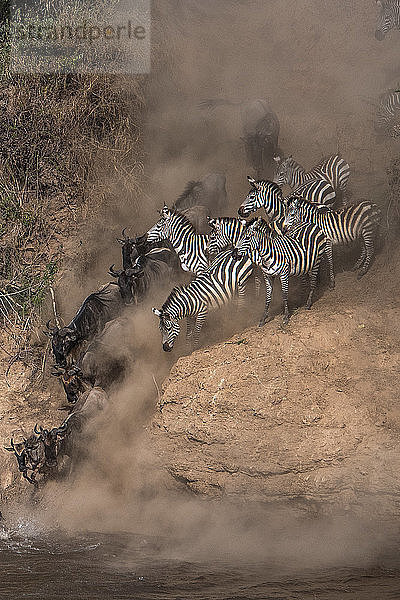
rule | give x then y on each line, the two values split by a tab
316	62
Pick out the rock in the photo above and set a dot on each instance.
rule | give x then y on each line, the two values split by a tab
308	414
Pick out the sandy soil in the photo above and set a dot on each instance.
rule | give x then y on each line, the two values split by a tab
308	413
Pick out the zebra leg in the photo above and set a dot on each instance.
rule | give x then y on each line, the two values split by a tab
200	318
360	261
329	256
284	277
241	297
313	284
369	252
268	297
189	329
257	285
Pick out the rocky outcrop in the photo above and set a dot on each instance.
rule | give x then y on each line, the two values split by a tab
308	414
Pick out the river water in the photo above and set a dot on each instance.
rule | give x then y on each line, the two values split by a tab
123	566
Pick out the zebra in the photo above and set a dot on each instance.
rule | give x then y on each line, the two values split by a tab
334	171
388	114
264	194
339	226
211	289
297	253
389	17
190	246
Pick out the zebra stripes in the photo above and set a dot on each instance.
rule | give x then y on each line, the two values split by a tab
334	171
211	289
296	253
267	195
389	17
190	246
388	114
340	227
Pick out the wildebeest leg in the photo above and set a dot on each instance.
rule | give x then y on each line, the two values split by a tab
329	256
284	277
313	284
269	283
200	318
369	252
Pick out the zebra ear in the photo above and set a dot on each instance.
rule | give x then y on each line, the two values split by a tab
379	3
157	312
252	181
277	159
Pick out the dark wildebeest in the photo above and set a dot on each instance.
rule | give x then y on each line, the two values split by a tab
103	364
87	408
156	266
260	133
96	310
37	453
201	199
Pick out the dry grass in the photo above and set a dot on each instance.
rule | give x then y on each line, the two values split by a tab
54	130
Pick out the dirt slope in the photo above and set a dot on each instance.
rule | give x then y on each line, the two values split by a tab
309	413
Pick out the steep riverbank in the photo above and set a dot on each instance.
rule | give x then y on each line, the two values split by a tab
306	414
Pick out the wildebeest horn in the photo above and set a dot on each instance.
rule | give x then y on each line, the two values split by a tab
113	272
12	449
36	430
62	429
51	329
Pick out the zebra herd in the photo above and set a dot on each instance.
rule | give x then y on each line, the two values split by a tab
300	230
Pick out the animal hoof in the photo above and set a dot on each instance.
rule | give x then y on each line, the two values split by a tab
361	274
331	285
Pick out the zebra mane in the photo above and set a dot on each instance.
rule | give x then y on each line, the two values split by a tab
189	196
185	220
174	292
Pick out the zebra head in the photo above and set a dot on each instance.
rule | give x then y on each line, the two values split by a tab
293	215
283	171
160	231
389	17
169	328
266	194
248	243
225	232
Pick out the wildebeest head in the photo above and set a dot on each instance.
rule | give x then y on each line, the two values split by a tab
388	18
132	248
63	340
169	328
71	380
49	439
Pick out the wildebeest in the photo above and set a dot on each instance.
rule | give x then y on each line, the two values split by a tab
38	453
156	265
72	443
203	198
260	132
103	364
95	311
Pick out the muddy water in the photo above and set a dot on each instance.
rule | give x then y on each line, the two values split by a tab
96	566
